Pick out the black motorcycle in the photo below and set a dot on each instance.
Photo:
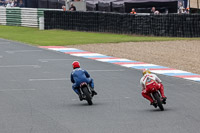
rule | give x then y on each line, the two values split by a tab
86	92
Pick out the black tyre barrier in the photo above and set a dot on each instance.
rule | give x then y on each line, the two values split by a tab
172	25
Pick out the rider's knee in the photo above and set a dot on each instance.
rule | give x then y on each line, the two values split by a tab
143	92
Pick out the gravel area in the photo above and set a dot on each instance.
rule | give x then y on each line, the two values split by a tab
183	55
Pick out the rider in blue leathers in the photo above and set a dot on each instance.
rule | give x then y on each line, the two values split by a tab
79	76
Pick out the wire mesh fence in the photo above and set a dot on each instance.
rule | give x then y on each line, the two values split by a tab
172	25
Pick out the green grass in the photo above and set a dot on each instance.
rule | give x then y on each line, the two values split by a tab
63	37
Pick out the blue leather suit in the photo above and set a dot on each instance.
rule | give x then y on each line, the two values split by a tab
79	76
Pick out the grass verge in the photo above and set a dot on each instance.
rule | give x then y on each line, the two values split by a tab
62	37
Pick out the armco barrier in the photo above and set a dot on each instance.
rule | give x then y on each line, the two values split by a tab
2	16
173	25
13	16
28	17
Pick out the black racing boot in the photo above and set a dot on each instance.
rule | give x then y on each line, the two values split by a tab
154	103
164	100
93	91
80	97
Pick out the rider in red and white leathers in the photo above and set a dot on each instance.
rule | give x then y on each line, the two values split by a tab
146	87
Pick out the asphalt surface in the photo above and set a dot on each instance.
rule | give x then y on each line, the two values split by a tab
36	97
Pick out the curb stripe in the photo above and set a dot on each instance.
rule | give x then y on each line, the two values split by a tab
90	57
169	71
188	76
73	52
49	47
179	74
143	67
88	54
161	69
126	62
100	57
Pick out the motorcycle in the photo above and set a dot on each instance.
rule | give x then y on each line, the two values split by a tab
159	102
86	92
154	92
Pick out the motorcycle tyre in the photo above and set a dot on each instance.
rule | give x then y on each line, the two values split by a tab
159	102
87	94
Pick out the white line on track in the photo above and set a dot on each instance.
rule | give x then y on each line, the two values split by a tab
18	66
5	42
22	51
54	79
47	60
18	90
66	79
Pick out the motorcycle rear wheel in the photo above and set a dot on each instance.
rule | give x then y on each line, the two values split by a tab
159	102
88	96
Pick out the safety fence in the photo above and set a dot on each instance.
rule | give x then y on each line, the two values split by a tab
173	25
28	17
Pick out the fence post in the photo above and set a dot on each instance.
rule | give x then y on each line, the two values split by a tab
41	23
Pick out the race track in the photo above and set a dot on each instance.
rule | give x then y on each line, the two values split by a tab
36	97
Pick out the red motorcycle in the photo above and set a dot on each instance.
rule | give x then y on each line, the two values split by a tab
153	89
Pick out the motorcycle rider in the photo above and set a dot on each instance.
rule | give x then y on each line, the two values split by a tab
79	76
146	86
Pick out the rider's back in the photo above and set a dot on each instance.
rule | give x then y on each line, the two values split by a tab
79	76
149	76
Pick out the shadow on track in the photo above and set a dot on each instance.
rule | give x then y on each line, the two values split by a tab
157	110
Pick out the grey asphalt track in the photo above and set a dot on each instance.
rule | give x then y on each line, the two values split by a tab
36	97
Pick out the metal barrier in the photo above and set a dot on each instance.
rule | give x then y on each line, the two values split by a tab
2	16
28	17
